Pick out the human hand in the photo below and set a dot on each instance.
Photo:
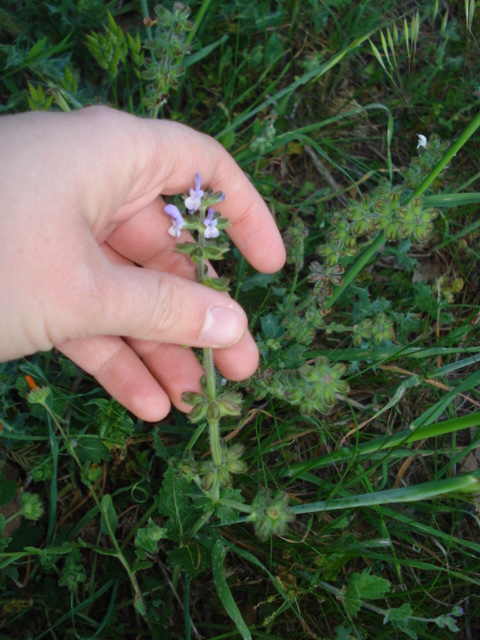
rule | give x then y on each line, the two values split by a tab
80	214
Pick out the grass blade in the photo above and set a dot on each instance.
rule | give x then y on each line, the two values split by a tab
219	577
425	491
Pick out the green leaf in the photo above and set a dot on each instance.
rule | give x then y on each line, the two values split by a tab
227	515
271	327
363	586
147	538
176	505
218	568
115	425
192	559
400	613
159	447
91	449
258	280
109	519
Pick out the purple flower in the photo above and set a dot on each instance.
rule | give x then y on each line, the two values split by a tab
195	200
177	221
210	222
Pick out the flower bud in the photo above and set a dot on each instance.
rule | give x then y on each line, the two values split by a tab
229	406
293	395
406	214
416	205
198	413
354	212
350	242
224	477
391	232
208	480
38	395
366	202
423	231
406	229
381	207
31	506
359	227
234	452
213	411
394	200
380	223
428	214
337	234
236	466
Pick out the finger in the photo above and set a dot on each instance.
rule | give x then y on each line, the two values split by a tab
240	361
159	156
253	229
176	368
142	303
121	373
144	240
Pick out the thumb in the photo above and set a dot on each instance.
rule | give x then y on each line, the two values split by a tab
153	305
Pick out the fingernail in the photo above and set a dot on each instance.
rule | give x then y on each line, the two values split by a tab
223	326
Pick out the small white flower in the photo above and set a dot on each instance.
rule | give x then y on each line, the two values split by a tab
422	141
177	221
210	223
194	202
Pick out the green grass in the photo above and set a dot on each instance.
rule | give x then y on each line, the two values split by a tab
318	102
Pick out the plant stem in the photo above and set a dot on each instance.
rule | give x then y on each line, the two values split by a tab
352	273
209	367
450	153
238	506
119	553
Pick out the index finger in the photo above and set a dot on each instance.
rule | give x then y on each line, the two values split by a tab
174	154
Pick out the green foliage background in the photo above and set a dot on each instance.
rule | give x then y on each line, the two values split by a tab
320	102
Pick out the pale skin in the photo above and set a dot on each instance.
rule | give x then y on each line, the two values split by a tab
86	262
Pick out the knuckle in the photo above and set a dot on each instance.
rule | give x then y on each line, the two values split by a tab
165	315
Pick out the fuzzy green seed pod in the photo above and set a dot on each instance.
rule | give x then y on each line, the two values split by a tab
337	234
198	413
422	231
38	395
331	260
208	480
236	466
213	411
354	212
394	200
229	407
350	242
293	395
31	506
224	477
391	232
406	214
359	227
235	452
416	205
381	207
428	215
380	223
366	202
406	229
